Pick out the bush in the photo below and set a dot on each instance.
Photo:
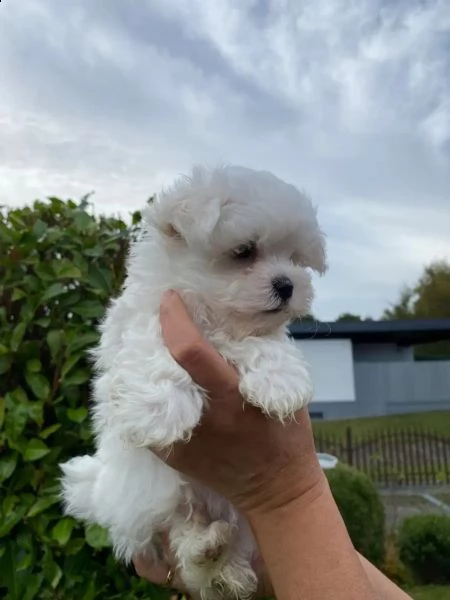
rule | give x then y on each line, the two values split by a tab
362	510
424	546
59	264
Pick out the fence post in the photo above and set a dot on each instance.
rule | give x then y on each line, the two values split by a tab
349	443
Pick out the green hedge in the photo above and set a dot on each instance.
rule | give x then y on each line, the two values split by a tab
424	547
59	264
362	511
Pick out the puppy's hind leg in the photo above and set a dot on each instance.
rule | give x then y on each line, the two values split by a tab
204	552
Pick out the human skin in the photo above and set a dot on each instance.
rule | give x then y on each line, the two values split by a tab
270	472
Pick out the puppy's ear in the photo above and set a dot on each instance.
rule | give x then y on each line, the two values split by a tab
188	218
315	255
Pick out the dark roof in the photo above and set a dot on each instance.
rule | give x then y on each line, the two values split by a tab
408	332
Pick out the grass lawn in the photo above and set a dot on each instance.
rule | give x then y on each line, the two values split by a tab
430	592
444	496
435	421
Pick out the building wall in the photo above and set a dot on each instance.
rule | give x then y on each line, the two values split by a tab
381	353
392	387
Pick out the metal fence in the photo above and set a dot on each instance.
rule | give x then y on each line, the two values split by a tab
401	457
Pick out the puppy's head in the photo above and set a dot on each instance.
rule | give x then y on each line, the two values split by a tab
242	241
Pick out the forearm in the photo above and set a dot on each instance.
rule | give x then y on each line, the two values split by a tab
307	550
385	588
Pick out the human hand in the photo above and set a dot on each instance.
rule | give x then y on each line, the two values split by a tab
255	462
270	472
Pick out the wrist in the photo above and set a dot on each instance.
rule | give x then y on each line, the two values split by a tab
294	486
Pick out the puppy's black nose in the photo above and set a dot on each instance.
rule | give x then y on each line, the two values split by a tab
283	288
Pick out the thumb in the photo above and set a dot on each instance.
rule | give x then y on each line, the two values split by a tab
190	349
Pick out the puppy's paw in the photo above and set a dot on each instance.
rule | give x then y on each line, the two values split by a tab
202	552
236	579
278	393
157	416
213	545
201	549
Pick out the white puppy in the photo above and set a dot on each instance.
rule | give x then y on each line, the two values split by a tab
239	246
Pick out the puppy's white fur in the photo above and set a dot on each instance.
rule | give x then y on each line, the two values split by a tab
143	398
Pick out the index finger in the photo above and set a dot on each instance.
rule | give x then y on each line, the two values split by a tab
190	349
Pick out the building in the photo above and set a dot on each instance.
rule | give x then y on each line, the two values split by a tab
367	368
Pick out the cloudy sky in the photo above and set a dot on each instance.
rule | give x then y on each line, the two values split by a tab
348	99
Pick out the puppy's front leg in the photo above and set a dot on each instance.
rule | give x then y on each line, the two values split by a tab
275	377
148	402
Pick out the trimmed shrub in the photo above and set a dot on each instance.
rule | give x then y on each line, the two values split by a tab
362	510
424	547
59	264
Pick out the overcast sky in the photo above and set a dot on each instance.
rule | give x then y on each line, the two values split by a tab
348	99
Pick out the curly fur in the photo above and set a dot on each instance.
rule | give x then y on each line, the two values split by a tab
193	234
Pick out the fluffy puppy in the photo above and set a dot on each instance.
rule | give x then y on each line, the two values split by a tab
239	245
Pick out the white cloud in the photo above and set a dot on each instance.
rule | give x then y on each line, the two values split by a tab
348	100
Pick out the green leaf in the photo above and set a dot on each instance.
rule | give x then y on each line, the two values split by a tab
6	235
34	582
42	504
10	521
39	229
45	271
56	575
34	365
62	531
38	384
16	220
55	340
16	416
97	537
90	309
82	220
47	432
68	270
18	294
77	415
99	279
17	336
77	377
44	322
74	546
7	466
35	450
25	561
95	251
81	342
2	411
53	291
70	363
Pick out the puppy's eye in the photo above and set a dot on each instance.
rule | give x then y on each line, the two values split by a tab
245	251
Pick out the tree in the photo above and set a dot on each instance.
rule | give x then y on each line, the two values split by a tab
352	317
433	292
348	317
403	309
429	298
